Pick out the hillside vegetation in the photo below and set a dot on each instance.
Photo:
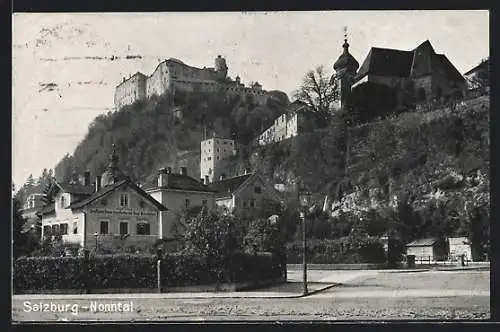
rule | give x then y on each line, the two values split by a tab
418	173
167	130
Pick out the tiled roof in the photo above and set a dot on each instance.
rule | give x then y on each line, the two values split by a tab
107	189
179	182
397	63
422	242
386	62
227	186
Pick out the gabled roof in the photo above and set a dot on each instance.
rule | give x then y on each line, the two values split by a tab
228	186
179	182
386	62
484	65
449	69
108	189
422	60
422	242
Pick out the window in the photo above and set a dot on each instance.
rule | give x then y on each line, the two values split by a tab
75	227
47	230
123	227
63	202
257	190
63	229
55	229
204	202
143	228
104	227
252	202
124	199
187	203
209	158
244	203
421	94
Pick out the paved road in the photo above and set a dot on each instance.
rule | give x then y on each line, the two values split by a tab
363	295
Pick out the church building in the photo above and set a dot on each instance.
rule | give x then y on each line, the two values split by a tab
386	75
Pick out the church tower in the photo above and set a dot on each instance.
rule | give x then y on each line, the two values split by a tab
112	174
345	68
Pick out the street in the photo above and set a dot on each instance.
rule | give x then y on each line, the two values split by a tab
356	295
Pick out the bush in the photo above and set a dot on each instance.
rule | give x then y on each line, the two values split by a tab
123	271
262	266
184	269
47	273
346	250
139	271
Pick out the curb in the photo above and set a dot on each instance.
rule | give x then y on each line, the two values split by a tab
407	271
157	295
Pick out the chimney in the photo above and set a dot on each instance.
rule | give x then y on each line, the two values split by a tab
206	179
86	178
184	171
163	176
97	183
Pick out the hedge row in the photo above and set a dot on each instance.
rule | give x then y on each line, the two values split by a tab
339	251
138	271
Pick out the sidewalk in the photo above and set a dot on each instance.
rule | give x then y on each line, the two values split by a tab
286	290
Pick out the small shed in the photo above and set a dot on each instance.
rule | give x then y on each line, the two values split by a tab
431	249
459	246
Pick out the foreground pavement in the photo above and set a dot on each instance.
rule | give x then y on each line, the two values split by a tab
357	295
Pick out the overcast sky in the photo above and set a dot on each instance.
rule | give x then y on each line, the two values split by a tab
63	75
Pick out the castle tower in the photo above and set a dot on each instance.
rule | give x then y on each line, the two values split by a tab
214	156
221	67
345	68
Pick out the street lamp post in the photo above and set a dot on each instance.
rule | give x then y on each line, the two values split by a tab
304	200
96	235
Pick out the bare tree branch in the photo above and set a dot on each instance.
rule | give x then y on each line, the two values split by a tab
317	90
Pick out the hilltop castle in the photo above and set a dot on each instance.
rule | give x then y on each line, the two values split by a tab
175	75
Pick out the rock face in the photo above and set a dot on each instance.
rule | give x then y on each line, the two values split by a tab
439	155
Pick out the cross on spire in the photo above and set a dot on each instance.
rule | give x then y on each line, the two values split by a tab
346	44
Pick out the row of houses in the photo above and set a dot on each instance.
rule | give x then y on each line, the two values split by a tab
115	211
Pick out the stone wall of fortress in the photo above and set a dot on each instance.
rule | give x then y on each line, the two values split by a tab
173	73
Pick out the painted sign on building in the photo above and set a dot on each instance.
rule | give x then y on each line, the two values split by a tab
124	212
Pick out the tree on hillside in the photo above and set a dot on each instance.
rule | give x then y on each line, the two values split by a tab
317	91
